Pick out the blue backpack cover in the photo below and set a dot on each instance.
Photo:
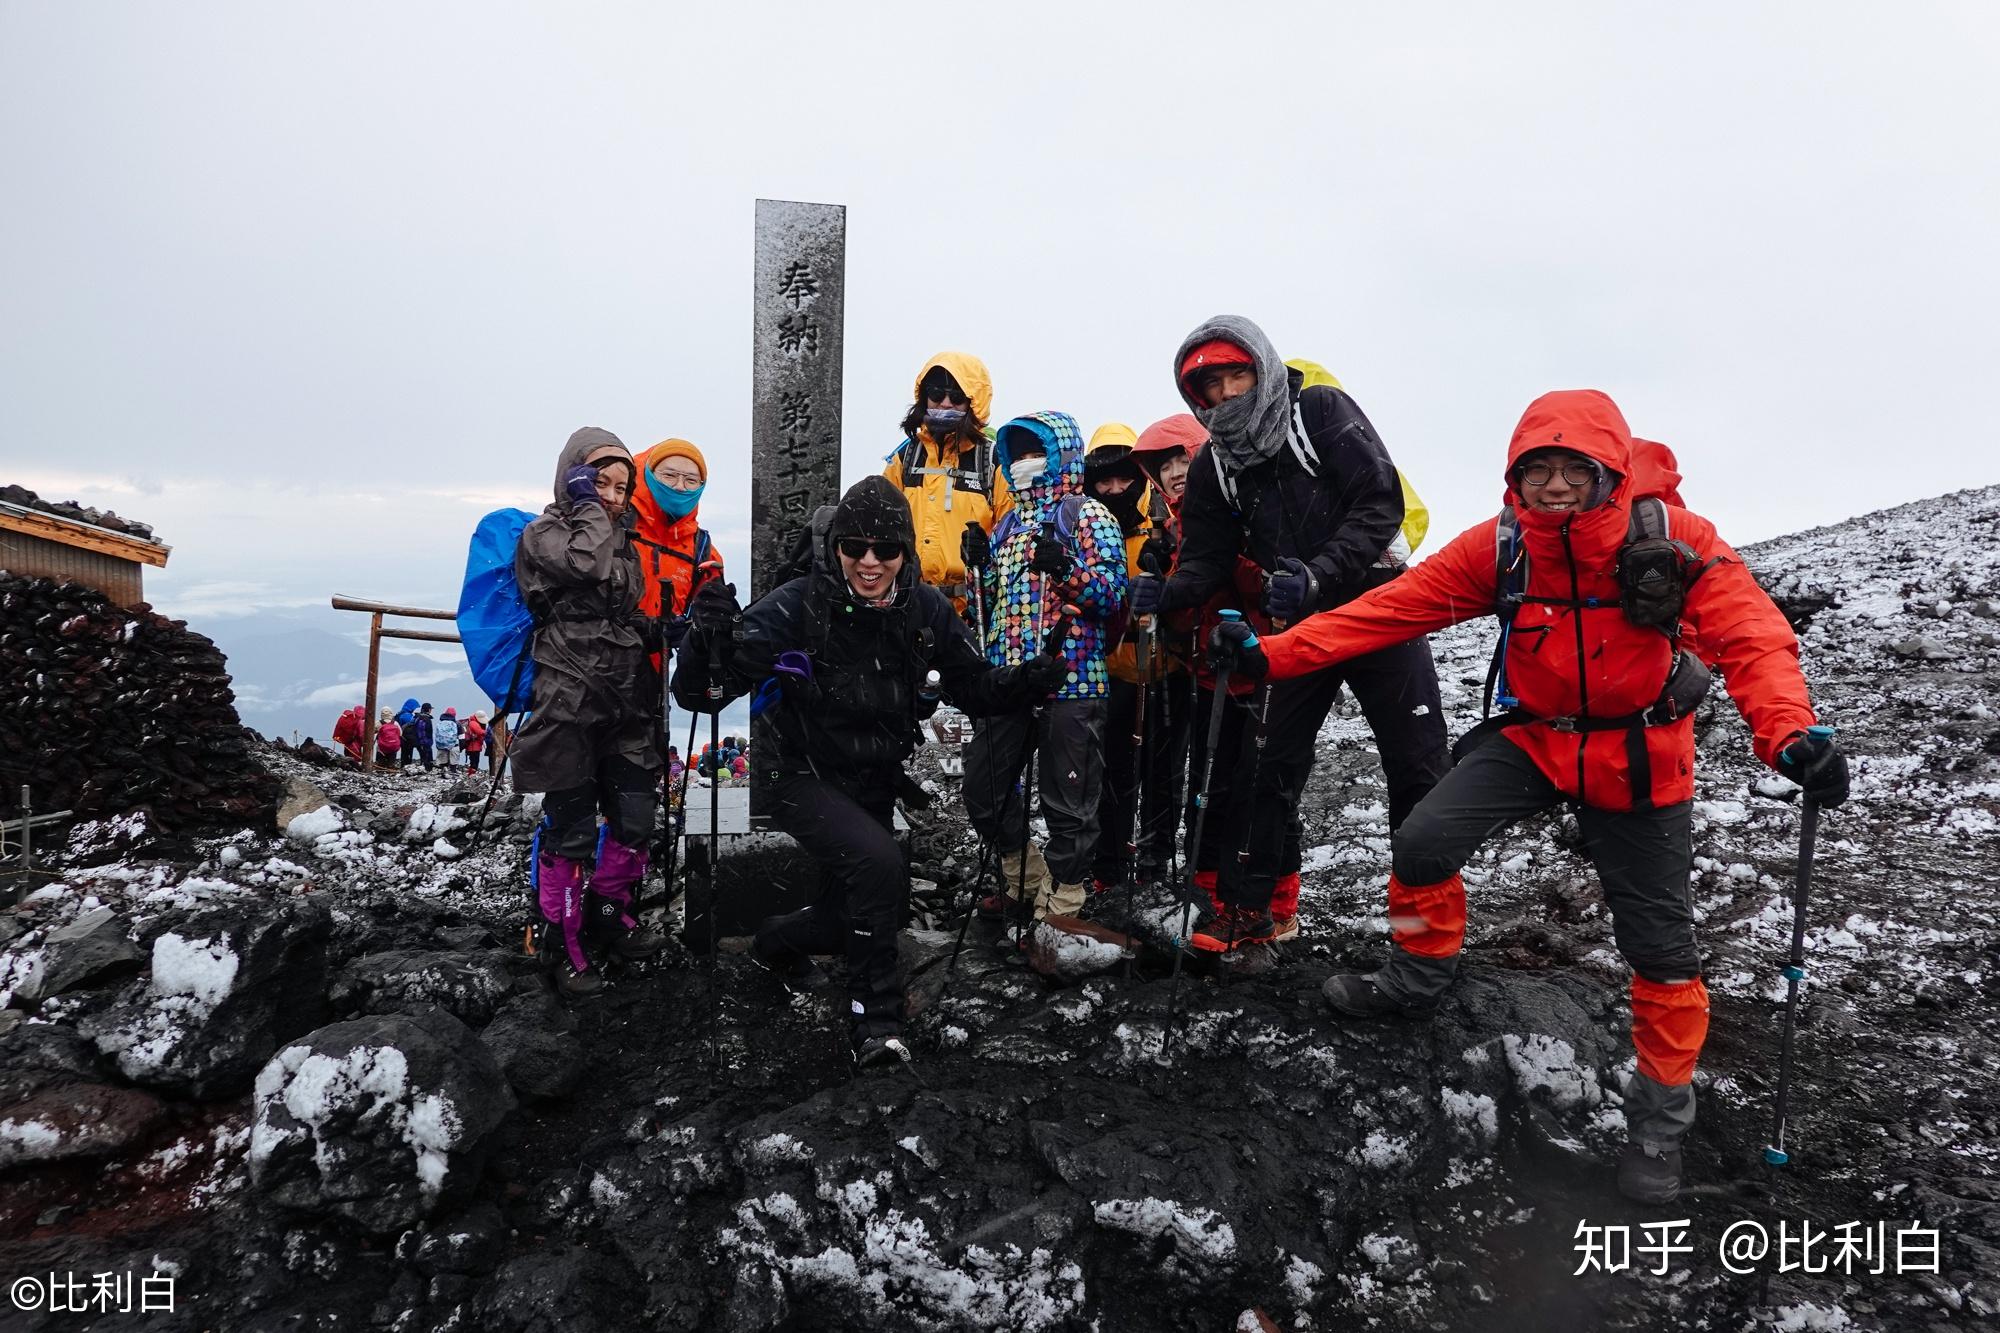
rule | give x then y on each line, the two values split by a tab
494	622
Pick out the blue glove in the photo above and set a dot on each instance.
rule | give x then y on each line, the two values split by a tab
1292	593
1148	591
1233	645
580	485
1815	762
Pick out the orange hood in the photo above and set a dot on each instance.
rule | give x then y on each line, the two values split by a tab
1583	421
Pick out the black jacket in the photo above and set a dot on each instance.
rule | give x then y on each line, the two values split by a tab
859	716
1339	522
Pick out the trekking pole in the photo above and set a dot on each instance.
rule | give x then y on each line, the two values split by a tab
717	657
1058	635
1795	969
670	858
1219	700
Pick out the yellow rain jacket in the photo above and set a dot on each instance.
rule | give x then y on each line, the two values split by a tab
946	494
1416	516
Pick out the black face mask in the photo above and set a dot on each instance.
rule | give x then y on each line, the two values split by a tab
1125	506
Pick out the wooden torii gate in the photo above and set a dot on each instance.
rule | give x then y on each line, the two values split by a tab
376	633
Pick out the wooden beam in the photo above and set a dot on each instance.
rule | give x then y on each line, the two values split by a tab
384	609
434	635
55	528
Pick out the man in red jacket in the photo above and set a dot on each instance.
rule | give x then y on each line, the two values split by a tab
1597	725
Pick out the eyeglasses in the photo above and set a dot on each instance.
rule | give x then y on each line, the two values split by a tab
943	393
854	548
680	481
1540	474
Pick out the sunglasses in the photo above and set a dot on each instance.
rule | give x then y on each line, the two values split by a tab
1540	474
943	393
854	548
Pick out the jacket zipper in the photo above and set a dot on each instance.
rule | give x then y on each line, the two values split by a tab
1582	675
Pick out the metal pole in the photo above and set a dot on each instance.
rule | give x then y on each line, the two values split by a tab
27	837
1795	972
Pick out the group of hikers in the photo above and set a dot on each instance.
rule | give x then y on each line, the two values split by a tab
407	736
1149	630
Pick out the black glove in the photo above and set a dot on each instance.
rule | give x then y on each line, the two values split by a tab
1233	645
1044	674
975	549
1815	762
676	629
1051	559
714	609
1292	592
648	630
1148	591
580	485
1156	554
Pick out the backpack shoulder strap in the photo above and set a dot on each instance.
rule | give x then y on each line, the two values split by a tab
1510	564
1649	519
1302	445
1222	476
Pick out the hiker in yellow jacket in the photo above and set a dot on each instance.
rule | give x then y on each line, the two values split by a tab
947	471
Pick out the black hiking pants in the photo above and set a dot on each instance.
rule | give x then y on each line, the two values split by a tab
864	890
626	794
1069	779
1256	802
1150	800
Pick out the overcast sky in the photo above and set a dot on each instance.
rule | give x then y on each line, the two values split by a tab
311	287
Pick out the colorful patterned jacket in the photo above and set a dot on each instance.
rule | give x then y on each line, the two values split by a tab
1020	610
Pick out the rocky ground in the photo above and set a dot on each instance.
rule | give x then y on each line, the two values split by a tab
310	1078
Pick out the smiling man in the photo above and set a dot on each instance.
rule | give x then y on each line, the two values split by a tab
1602	692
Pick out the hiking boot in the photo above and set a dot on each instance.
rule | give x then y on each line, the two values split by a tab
1355	995
574	984
1232	928
1004	907
881	1052
1287	927
1650	1173
638	942
797	972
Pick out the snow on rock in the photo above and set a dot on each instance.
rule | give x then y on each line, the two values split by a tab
374	1117
1199	1235
313	825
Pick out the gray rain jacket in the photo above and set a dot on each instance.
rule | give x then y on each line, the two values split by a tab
596	694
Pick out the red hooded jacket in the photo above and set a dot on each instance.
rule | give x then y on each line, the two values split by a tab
1589	662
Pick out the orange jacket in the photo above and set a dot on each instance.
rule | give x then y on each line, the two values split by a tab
666	546
1592	662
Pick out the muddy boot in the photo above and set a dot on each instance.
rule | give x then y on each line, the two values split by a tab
1356	995
559	894
1650	1173
574	984
1657	1117
1063	900
608	931
878	1032
1232	928
782	945
1004	904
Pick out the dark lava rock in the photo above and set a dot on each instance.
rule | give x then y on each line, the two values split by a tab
377	1120
534	1039
91	949
470	986
229	984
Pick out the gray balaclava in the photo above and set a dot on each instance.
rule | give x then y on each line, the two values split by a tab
1252	428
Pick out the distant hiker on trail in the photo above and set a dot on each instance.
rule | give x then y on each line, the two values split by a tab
473	739
948	471
1296	479
406	722
1054	583
668	536
1602	699
446	730
426	733
388	740
591	739
351	731
838	659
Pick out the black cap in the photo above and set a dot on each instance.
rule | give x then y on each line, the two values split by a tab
874	507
